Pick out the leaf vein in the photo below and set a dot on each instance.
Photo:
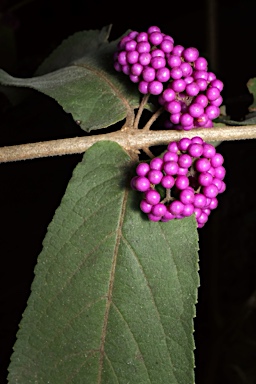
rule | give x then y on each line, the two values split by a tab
111	284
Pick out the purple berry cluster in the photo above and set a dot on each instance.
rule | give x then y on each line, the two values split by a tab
178	76
191	175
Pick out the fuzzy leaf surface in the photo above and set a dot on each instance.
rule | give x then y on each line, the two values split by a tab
80	76
114	295
251	85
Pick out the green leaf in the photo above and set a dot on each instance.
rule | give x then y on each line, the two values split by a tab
249	120
80	76
114	295
251	85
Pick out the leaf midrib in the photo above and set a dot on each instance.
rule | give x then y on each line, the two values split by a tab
111	285
111	85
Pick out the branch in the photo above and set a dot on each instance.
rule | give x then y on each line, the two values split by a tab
130	140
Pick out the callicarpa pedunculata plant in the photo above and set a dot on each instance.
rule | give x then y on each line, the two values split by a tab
115	287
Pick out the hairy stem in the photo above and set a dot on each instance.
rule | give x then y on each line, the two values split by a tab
130	140
153	118
140	110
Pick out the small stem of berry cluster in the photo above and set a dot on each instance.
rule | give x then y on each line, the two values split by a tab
168	196
153	118
140	110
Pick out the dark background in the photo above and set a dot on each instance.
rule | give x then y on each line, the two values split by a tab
225	327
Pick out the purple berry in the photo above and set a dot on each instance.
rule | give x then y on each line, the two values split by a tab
212	93
201	64
154	176
168	216
173	147
155	38
142	36
217	102
145	206
176	73
153	28
220	172
136	69
142	183
144	58
200	75
182	182
167	181
143	47
205	179
156	163
166	45
148	74
175	118
218	183
187	196
143	87
199	200
170	156
213	204
211	76
177	50
186	69
152	217
132	57
170	168
188	210
217	83
163	74
202	219
195	110
179	85
202	120
210	191
197	212
197	140
142	169
159	209
173	107
157	53
202	165
202	100
188	79
184	143
192	89
134	78
190	54
155	87
209	150
126	69
174	61
195	150
117	67
186	120
223	187
169	95
217	160
131	45
158	62
176	207
152	196
202	84
185	160
182	171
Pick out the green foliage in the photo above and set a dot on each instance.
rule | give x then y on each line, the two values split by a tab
113	299
80	76
114	294
251	85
